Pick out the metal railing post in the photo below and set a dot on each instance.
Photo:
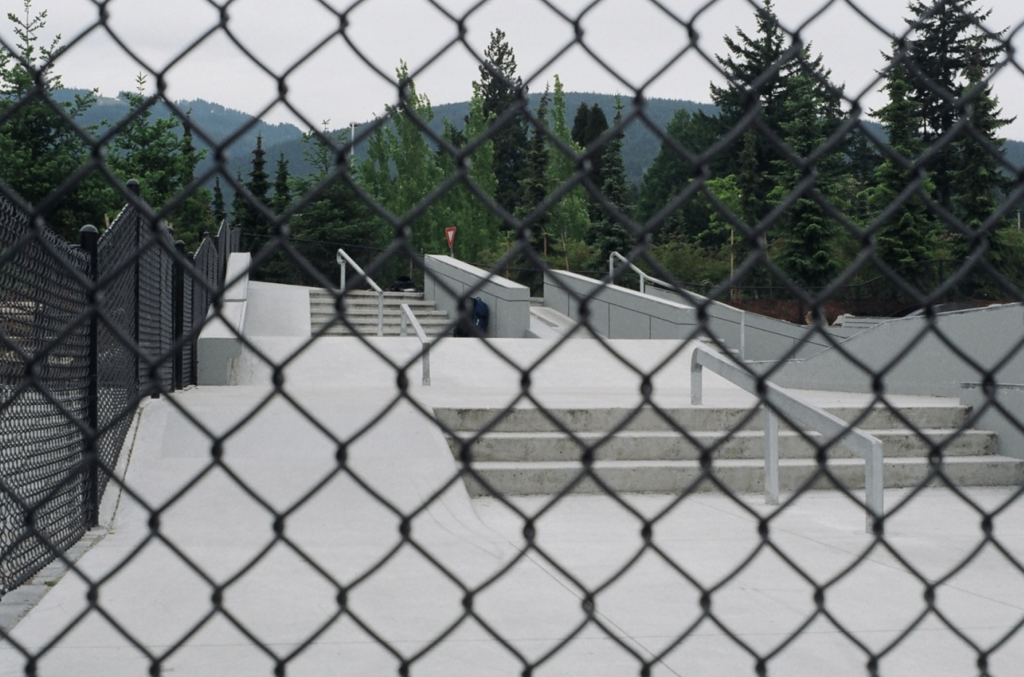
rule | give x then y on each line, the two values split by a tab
743	335
696	381
90	238
775	400
771	456
406	312
343	259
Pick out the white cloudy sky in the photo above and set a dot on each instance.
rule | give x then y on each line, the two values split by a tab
351	81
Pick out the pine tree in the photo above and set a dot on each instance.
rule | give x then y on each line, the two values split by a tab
220	212
671	172
608	233
149	150
258	188
39	149
335	216
503	91
589	125
192	216
282	191
760	69
947	44
534	184
907	237
978	180
805	236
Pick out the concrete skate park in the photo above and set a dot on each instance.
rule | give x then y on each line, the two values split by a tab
314	506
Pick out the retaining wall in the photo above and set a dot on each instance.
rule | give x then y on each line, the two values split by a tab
447	281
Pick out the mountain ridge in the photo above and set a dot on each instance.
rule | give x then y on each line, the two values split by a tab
220	123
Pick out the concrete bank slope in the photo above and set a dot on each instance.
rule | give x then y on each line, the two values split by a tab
240	530
241	542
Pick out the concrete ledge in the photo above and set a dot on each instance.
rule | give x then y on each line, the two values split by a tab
1009	430
615	312
448	281
926	364
218	345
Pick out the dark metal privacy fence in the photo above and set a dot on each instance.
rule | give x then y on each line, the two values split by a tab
83	341
789	186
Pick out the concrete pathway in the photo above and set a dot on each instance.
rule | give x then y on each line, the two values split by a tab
353	569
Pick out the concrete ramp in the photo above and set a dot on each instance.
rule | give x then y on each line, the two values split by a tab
288	528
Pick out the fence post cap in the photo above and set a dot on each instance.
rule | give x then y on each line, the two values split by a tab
134	186
88	229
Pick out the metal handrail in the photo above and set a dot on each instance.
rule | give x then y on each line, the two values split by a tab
424	341
343	258
775	399
645	278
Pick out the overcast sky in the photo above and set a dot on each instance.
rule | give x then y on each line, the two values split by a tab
641	46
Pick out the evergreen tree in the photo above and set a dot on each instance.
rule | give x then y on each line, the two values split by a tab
978	180
907	236
806	237
239	206
588	126
282	191
760	69
149	149
609	233
569	218
334	215
503	91
193	215
39	148
579	125
478	227
534	185
947	42
220	212
671	173
251	218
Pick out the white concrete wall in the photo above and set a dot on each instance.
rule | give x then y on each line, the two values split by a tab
764	338
447	281
981	340
1008	398
617	312
218	345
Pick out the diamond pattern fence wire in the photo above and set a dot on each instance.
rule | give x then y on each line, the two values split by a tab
289	514
50	422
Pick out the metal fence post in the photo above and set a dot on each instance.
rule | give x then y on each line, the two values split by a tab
89	237
178	313
136	189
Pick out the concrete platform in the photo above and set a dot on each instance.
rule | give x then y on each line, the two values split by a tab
334	529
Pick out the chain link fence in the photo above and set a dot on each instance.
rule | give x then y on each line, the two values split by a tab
262	497
83	343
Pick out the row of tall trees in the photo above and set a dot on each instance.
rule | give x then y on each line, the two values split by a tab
72	175
775	183
794	186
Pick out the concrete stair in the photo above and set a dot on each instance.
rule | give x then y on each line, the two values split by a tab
360	311
524	452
